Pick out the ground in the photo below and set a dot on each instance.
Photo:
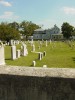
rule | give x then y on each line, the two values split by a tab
58	54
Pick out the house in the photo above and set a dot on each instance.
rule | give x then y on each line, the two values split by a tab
53	33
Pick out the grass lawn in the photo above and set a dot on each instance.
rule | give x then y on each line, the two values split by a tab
58	54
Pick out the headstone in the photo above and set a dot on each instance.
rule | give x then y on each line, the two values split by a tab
40	43
11	42
44	66
14	42
13	52
34	63
31	42
18	53
24	50
2	59
33	48
46	43
50	41
39	47
40	56
44	53
8	43
21	47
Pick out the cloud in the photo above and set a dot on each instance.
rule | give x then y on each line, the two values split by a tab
5	3
8	15
69	10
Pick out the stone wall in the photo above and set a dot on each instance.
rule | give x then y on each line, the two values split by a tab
15	85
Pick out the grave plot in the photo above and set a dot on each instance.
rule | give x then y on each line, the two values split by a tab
55	54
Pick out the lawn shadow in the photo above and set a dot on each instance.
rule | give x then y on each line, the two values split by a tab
73	58
8	59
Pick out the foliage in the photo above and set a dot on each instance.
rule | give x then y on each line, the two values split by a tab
67	30
28	28
13	30
7	32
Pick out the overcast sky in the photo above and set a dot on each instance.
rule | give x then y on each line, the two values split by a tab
41	12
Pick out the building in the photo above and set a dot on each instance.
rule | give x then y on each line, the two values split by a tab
53	33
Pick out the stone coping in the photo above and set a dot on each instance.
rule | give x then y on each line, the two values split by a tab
38	71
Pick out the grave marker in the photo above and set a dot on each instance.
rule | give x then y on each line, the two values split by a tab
13	52
2	60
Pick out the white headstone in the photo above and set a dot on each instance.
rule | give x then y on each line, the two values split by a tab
33	48
50	41
24	50
34	63
44	53
46	43
11	42
40	57
18	53
2	59
13	52
39	47
44	66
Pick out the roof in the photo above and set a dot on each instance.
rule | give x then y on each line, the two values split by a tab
40	29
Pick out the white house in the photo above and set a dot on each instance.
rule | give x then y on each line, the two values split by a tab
53	33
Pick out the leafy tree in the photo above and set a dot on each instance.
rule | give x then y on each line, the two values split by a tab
7	33
28	28
14	25
67	30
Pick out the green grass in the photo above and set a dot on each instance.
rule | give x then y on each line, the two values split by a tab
59	54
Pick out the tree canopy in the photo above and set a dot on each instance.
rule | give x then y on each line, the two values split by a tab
13	30
28	28
67	30
7	32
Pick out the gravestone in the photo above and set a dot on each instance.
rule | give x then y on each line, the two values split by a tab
46	43
2	60
31	42
40	43
34	63
44	66
50	41
11	42
40	56
39	47
44	53
18	53
24	50
13	52
33	48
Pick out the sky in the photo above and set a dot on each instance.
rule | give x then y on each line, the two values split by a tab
45	13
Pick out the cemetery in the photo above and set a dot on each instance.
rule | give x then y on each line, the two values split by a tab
51	53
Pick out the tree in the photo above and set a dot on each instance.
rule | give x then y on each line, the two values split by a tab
14	25
67	30
27	28
7	33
